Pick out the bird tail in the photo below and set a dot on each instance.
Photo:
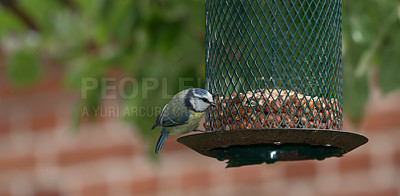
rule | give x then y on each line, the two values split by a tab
161	139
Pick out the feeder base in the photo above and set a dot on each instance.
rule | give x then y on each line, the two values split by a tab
248	147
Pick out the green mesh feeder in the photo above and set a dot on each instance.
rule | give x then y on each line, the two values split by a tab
276	68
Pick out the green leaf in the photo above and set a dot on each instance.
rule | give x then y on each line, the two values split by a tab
9	22
92	101
355	89
355	92
23	67
389	62
85	67
88	105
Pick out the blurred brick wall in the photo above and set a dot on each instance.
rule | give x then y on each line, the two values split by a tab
40	156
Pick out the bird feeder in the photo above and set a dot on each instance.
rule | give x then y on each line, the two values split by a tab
276	67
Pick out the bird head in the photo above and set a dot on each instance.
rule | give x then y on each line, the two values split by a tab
199	99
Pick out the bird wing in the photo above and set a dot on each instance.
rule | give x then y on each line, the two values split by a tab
174	113
170	121
159	117
169	117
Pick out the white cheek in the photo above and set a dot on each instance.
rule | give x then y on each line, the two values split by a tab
202	106
199	105
192	102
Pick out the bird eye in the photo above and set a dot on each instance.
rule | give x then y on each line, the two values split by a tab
205	100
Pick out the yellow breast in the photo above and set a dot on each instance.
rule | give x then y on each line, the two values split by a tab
192	123
196	116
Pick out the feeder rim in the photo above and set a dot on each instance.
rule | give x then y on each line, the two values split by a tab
204	142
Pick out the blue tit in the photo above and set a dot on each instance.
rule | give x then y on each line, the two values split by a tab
183	113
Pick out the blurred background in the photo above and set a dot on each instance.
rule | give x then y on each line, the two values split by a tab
81	83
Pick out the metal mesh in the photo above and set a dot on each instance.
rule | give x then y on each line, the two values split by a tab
274	63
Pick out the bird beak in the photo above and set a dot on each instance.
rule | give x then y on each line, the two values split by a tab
214	104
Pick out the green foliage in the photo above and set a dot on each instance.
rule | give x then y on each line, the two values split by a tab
389	67
23	68
8	22
370	38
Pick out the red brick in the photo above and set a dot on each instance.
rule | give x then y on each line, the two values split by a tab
300	168
80	155
94	190
5	194
248	174
50	82
383	192
396	157
145	185
380	192
195	179
254	191
43	122
355	162
17	163
5	127
47	193
382	120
